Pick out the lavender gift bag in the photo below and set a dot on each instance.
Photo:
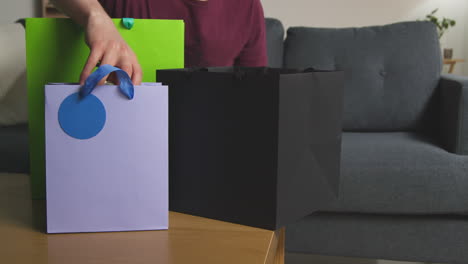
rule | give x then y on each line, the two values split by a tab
106	156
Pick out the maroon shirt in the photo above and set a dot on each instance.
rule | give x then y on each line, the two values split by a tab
218	32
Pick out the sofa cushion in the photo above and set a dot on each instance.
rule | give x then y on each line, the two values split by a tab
275	42
391	71
400	173
14	150
423	239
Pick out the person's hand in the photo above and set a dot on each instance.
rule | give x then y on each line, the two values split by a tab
108	47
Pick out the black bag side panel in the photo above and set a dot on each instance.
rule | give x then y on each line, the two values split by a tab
310	111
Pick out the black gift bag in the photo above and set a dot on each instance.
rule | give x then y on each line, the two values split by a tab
254	146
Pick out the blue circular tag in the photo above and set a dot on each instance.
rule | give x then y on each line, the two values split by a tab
82	118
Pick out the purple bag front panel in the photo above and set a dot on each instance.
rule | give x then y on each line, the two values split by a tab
116	180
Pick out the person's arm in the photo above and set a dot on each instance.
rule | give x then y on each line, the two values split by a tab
105	42
254	53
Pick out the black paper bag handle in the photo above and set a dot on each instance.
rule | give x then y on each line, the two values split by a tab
239	73
189	72
310	69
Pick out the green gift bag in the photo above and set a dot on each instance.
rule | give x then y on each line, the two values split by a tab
56	52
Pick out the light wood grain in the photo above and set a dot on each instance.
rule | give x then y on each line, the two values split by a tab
280	250
452	63
189	239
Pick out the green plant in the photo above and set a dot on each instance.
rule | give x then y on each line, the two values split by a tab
442	24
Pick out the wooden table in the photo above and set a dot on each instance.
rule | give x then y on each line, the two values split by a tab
189	239
452	63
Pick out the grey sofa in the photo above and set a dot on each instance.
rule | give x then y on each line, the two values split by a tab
14	156
404	175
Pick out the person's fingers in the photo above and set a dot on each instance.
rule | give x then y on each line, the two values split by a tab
110	57
94	57
116	54
112	78
127	67
137	73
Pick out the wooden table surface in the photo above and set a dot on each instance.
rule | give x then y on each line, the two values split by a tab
190	239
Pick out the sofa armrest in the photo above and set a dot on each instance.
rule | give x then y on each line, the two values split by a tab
454	113
275	42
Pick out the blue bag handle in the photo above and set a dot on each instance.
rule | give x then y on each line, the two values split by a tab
125	86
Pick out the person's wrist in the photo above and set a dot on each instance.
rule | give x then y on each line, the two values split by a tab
99	27
97	18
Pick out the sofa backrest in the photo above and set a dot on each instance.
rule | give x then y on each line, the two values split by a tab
391	71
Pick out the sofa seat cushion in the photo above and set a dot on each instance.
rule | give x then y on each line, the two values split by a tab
422	239
14	151
400	173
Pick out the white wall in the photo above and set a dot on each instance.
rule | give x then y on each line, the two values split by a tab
12	10
352	13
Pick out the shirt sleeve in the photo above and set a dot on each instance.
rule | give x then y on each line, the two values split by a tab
254	53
